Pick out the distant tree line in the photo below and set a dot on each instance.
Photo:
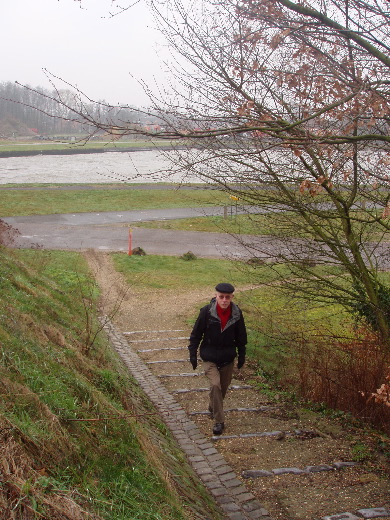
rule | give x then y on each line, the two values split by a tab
25	110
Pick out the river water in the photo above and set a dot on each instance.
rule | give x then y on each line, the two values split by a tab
108	167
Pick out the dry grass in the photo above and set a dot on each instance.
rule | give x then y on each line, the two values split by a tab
345	375
24	485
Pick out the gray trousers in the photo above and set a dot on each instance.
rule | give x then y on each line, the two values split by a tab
219	379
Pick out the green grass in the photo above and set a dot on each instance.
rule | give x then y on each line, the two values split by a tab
274	320
168	272
34	144
279	224
56	388
254	224
46	202
240	224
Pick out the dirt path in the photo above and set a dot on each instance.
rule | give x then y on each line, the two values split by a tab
140	309
299	465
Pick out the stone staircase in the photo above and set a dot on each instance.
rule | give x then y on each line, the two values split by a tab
271	462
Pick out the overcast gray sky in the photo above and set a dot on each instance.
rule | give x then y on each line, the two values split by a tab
83	45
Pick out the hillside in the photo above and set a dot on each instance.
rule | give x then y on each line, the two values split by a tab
79	440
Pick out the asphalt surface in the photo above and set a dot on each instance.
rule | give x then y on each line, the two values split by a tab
110	231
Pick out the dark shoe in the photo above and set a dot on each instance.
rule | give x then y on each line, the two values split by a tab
218	428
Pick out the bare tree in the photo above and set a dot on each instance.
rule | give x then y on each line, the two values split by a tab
288	105
285	105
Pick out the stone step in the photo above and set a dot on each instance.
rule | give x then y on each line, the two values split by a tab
244	410
143	350
182	374
166	361
152	331
258	473
154	340
372	512
279	434
196	401
191	390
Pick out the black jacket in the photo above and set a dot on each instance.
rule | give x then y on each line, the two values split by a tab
220	347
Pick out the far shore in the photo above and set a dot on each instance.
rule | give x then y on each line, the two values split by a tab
73	151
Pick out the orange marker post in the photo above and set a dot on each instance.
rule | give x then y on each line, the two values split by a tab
130	252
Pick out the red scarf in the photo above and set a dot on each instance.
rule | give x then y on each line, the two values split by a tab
224	315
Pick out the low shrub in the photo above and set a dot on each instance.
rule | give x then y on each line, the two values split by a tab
348	374
189	256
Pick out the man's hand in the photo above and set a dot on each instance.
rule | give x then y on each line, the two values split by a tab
194	362
240	362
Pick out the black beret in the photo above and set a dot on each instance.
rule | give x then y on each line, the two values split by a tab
225	288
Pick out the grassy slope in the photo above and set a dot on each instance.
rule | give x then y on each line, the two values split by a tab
111	463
